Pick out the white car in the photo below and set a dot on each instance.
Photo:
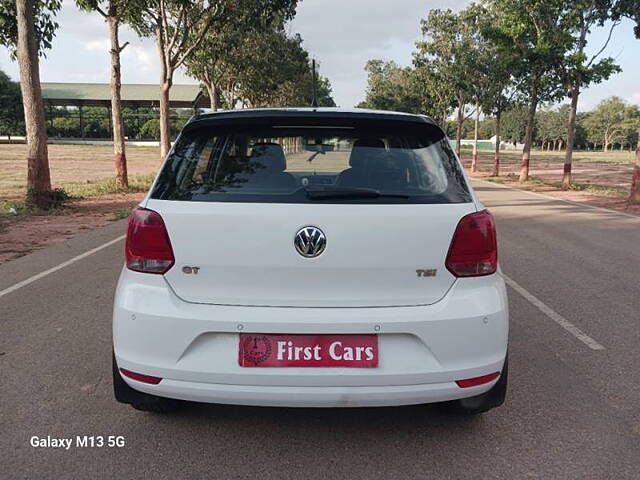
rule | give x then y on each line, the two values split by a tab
311	258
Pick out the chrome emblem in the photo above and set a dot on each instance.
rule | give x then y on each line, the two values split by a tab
310	241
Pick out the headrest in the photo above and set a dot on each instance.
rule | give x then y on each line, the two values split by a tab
269	155
363	148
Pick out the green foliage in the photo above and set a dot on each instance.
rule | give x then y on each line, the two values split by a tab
612	122
629	9
49	199
45	24
448	58
551	125
391	87
536	35
11	111
150	129
324	92
227	62
181	26
125	11
514	123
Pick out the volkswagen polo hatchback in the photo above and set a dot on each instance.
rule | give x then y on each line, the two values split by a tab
311	258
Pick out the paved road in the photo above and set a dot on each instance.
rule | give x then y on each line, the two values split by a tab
572	411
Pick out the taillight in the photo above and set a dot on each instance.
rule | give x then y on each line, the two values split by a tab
475	381
148	248
140	377
474	251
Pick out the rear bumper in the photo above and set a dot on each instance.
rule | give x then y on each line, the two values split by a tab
423	349
380	396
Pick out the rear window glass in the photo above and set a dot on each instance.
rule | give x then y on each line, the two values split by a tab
311	164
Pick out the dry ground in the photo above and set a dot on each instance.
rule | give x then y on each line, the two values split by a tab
87	171
600	179
70	165
82	170
612	169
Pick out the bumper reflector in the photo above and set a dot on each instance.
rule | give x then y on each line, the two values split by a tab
140	377
474	382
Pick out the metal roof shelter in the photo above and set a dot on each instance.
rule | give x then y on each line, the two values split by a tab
133	95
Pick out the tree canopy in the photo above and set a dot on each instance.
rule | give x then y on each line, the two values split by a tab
45	24
11	112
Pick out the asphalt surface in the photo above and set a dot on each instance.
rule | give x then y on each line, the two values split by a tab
571	412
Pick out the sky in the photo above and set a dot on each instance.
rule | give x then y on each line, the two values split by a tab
341	34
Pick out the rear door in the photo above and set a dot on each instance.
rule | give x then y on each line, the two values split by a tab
246	254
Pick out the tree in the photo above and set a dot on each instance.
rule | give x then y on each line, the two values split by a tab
114	13
391	87
537	33
551	128
28	27
630	126
514	124
438	97
222	50
11	110
580	70
606	122
324	92
631	9
280	76
179	27
450	54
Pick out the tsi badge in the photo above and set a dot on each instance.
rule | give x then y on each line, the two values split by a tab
431	272
190	270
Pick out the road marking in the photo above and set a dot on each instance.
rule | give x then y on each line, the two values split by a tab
553	315
71	261
550	197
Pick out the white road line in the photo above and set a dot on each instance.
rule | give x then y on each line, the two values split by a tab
40	275
553	315
557	199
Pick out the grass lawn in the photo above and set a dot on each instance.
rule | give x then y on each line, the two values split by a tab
84	170
616	157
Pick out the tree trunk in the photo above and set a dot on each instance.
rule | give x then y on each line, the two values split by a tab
217	98
119	154
528	138
211	95
496	156
573	114
214	96
38	176
474	156
634	197
459	128
165	127
166	80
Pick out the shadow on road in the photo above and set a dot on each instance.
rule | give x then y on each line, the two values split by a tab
399	418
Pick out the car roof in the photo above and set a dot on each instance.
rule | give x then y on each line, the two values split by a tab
262	114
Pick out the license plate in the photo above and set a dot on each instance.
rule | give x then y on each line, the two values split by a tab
269	350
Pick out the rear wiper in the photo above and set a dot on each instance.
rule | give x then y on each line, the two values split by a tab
321	193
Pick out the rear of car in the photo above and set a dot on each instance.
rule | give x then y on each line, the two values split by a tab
311	258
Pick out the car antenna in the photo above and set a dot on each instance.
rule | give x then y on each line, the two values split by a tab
314	93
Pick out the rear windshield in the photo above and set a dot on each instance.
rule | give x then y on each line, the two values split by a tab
311	165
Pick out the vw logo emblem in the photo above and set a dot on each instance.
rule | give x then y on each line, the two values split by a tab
310	241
